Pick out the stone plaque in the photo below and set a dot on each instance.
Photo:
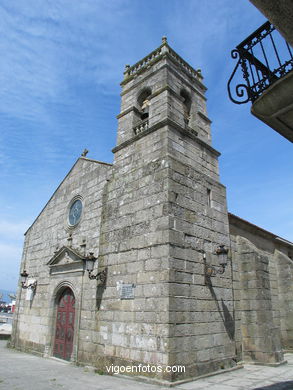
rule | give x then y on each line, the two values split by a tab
29	294
127	291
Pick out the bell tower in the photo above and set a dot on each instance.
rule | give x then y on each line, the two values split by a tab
164	216
162	87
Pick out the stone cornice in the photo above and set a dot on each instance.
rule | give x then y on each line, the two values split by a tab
127	111
57	255
157	54
190	85
204	117
167	122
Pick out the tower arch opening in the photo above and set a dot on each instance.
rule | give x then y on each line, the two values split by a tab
144	102
186	105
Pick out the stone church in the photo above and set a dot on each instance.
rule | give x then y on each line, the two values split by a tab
139	262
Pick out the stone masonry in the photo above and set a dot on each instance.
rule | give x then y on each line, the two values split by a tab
154	220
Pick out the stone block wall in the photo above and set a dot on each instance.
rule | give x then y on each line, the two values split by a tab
262	292
134	245
154	220
164	208
201	311
285	297
260	331
34	323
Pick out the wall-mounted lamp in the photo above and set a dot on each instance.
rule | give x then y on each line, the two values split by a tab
24	278
222	253
89	266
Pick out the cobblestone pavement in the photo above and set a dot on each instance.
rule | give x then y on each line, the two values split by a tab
20	371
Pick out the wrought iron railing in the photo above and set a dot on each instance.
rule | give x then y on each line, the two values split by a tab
264	57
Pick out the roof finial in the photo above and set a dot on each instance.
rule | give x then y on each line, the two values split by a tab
164	39
84	153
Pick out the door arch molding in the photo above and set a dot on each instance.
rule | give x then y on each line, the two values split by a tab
55	296
64	327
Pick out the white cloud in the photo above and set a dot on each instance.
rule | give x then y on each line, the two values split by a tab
10	253
10	258
12	230
11	243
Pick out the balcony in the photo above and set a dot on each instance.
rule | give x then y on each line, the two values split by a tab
266	62
141	127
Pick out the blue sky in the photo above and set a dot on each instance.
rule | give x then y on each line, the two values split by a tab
61	65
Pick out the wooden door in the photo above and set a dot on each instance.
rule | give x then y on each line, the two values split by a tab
63	344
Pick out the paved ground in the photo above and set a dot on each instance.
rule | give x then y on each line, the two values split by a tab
20	371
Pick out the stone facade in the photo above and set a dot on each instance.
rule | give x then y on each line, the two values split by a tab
154	220
263	291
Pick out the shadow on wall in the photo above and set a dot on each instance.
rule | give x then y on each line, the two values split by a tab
277	386
225	314
229	321
100	291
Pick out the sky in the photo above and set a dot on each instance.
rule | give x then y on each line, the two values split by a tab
60	69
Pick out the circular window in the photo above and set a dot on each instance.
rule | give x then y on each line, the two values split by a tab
75	211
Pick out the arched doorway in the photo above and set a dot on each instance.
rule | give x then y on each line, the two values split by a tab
63	343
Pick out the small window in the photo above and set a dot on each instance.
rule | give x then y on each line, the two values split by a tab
209	193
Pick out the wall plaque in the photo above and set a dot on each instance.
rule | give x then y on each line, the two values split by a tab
127	291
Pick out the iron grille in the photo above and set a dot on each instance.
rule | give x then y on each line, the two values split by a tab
264	57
